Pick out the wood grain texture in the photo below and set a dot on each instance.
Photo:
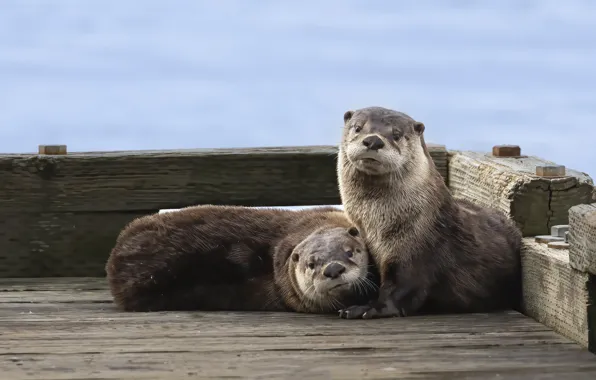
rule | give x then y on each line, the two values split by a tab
60	215
152	180
58	244
510	184
53	339
557	295
582	237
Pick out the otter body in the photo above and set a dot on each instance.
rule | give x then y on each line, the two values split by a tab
239	258
434	253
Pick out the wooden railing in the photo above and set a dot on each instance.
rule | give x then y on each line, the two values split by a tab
61	213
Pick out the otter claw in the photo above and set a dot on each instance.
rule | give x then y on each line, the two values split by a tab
354	312
370	312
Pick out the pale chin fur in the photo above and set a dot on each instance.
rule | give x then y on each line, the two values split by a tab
322	288
345	280
385	160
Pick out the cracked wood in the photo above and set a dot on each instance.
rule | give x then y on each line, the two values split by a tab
511	185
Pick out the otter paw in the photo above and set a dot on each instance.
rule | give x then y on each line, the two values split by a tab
384	312
355	312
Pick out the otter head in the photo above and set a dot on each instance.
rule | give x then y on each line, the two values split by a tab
330	265
379	141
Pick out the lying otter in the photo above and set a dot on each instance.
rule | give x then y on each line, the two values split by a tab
434	253
240	258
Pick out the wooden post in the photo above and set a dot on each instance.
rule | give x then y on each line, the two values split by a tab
511	184
558	295
582	238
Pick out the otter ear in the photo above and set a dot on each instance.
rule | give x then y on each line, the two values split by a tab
353	231
418	127
348	116
295	257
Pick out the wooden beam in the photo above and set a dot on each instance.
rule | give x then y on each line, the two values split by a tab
151	180
582	237
557	295
511	184
58	244
60	215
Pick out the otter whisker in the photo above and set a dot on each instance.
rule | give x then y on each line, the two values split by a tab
337	304
358	284
370	283
307	296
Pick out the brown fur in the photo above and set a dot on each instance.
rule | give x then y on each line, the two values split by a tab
434	253
236	258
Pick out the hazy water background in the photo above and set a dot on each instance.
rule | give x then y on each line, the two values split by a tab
147	74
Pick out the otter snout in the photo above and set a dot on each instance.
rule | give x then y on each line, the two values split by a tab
334	270
373	142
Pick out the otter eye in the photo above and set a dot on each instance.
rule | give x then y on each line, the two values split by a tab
396	136
311	265
349	253
357	128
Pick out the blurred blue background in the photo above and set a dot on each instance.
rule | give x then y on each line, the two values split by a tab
148	74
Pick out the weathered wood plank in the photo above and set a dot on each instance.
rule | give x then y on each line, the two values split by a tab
58	244
185	341
152	180
60	215
557	295
442	363
88	340
582	237
511	185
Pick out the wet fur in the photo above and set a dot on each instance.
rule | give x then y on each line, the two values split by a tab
219	258
435	253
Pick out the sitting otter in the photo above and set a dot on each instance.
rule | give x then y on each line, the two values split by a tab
240	258
434	253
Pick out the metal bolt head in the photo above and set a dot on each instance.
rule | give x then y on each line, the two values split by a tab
544	239
559	230
506	151
558	245
550	170
52	149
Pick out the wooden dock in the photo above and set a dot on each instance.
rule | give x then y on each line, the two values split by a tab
68	328
60	214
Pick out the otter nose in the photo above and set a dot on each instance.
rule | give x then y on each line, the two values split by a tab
334	270
373	142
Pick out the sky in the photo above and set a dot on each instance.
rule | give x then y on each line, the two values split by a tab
147	74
